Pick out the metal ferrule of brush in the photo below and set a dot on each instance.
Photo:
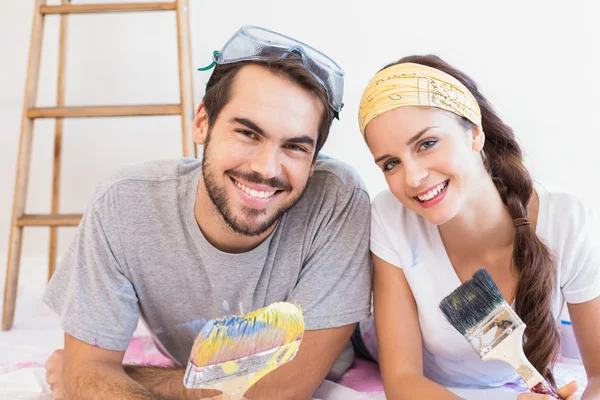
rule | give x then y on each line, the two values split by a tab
494	329
199	377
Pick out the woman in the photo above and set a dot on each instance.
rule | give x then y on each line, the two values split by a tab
460	199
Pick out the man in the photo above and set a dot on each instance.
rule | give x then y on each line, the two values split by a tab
258	220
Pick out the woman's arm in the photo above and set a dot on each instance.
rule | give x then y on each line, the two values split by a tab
399	337
585	318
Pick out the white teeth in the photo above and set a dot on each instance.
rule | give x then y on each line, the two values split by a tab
433	192
254	192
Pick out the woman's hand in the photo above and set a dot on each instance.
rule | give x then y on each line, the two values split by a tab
566	392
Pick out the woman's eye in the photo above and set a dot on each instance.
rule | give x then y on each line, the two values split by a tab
390	164
428	144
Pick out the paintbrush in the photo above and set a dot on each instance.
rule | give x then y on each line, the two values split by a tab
479	312
231	354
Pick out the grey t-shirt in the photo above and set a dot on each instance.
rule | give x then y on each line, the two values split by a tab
139	252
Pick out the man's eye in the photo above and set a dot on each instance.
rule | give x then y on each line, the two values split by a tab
247	133
295	147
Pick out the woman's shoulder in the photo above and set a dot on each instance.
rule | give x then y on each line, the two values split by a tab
568	225
570	229
562	212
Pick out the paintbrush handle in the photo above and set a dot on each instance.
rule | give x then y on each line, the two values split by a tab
510	350
234	388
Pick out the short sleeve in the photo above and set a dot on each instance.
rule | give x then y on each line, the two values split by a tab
90	290
334	286
580	275
388	240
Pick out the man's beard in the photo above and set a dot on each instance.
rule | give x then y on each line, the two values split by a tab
218	196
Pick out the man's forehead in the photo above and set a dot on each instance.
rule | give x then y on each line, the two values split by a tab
274	103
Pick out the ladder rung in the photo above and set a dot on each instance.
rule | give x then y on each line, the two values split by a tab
104	111
98	8
49	220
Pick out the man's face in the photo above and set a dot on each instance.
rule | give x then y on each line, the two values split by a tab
259	153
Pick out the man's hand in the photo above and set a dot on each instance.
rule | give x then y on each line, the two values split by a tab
54	367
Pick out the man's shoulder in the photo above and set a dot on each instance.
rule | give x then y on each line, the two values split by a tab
333	187
148	174
333	174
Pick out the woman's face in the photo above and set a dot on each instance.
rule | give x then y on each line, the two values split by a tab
431	162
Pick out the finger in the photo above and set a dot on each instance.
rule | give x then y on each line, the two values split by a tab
534	396
568	390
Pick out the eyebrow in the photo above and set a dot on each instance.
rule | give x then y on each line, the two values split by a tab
302	140
418	135
249	124
408	142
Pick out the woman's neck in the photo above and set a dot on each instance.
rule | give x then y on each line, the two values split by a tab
484	223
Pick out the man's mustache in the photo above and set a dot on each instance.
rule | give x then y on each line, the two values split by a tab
255	177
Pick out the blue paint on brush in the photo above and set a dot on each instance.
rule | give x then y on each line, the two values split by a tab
235	326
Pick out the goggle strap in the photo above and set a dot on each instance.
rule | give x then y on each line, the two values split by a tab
215	56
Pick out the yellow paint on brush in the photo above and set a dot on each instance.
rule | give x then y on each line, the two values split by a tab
230	348
213	344
288	351
230	367
281	318
455	302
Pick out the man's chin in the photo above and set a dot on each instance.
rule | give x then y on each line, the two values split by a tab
249	226
251	230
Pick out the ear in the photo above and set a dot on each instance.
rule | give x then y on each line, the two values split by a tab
478	139
200	125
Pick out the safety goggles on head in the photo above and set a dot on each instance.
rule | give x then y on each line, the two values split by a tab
252	43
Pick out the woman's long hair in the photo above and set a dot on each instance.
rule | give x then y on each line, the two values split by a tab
531	259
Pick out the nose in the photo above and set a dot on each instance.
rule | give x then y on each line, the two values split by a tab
415	173
266	162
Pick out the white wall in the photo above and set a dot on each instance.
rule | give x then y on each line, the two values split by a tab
536	62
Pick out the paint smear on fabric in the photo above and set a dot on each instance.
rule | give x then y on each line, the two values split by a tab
414	251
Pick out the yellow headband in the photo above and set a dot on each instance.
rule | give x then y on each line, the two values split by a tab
416	85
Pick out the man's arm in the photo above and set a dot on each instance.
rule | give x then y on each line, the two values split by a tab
90	372
302	376
166	383
93	373
298	379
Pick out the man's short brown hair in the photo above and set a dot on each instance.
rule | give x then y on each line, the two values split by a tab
220	84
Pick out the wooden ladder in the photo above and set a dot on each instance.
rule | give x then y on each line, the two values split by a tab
53	220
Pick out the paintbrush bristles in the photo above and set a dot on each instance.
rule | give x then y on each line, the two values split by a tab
472	302
231	338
